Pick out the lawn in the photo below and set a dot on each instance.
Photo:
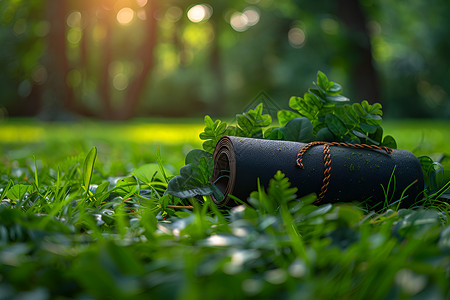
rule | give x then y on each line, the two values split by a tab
76	224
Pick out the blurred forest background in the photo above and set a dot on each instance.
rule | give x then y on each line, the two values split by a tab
119	59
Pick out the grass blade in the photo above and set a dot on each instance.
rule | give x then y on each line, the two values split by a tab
88	168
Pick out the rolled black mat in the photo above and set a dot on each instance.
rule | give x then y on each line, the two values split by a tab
354	174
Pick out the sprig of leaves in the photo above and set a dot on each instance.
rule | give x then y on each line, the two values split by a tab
252	123
212	133
334	119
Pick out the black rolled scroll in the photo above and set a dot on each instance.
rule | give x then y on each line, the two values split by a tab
361	175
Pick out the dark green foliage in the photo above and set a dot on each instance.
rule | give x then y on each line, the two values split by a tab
194	177
298	129
323	114
249	124
333	119
436	177
212	133
276	247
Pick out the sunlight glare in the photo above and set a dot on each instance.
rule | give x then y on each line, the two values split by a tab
125	15
200	12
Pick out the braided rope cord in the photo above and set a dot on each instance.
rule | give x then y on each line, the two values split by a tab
327	159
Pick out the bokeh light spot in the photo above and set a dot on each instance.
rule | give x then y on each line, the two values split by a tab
115	68
20	26
120	82
42	28
198	39
374	27
74	19
382	51
199	13
174	14
141	3
296	37
329	26
99	33
125	16
252	15
239	21
74	36
142	14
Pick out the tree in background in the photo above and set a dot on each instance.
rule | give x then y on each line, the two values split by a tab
117	59
87	56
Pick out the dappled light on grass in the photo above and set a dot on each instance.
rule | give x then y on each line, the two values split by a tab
21	133
167	133
140	133
421	137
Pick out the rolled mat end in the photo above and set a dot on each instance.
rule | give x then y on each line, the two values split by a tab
223	176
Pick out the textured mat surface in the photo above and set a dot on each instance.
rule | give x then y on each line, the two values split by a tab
354	174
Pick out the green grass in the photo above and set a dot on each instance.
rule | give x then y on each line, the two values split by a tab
119	239
422	137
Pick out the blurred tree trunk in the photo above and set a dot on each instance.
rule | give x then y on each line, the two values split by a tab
57	96
87	26
363	74
107	57
216	68
146	57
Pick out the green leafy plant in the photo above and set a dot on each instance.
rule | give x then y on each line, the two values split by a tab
249	124
194	177
323	114
437	180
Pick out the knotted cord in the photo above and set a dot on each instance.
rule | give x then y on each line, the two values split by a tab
327	159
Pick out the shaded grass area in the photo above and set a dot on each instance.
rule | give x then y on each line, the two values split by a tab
70	228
